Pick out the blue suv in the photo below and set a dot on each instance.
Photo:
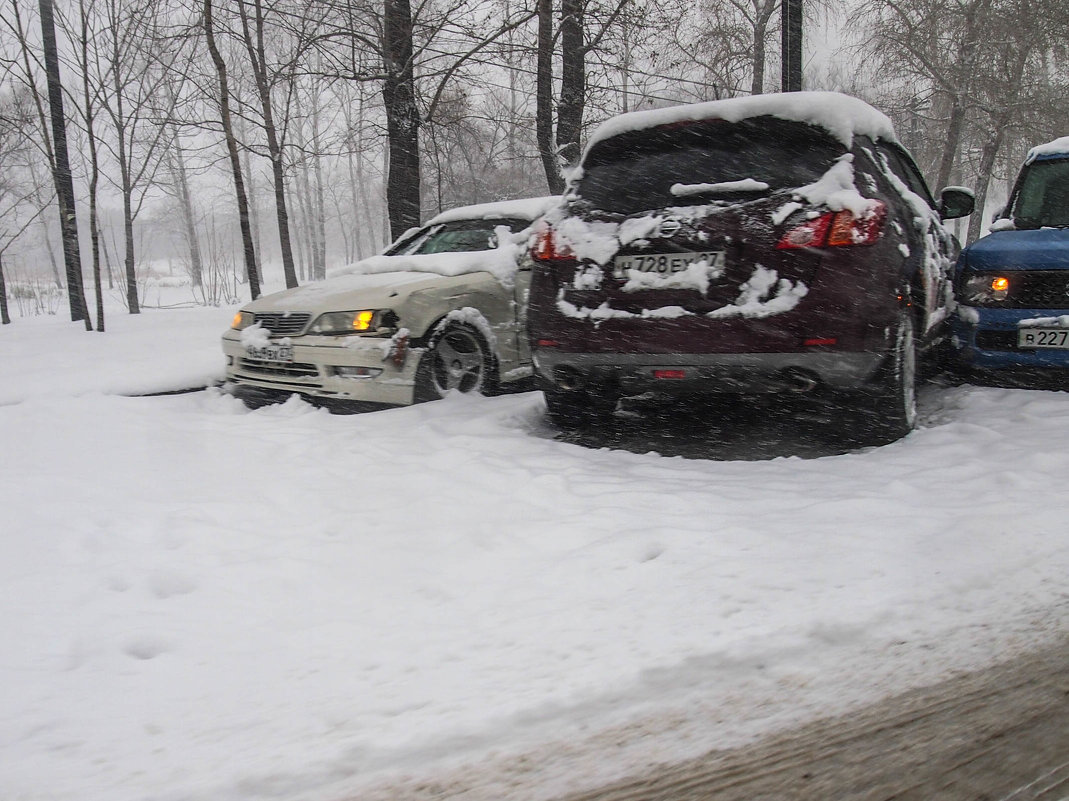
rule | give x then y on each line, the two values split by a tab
1012	286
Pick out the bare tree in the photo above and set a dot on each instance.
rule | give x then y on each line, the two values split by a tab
225	120
575	46
61	170
19	187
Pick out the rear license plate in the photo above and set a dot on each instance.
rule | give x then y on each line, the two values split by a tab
1057	338
270	353
665	263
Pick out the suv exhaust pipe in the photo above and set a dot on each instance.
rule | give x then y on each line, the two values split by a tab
568	378
799	381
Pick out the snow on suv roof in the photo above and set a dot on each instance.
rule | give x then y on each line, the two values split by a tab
524	209
841	115
1059	147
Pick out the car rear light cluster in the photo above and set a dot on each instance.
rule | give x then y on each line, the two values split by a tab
837	229
547	245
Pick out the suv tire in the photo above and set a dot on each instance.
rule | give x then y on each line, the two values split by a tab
894	402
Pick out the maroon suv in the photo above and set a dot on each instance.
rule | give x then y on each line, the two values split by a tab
777	243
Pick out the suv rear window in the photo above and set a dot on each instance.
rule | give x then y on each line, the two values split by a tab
1043	195
634	171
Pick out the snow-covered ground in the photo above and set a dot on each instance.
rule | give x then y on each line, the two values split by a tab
205	603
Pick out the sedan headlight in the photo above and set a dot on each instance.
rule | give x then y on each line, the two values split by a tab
351	322
243	319
986	288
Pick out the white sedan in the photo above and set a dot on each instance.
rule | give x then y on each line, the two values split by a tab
441	310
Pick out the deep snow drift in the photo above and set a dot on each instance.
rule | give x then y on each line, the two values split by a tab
202	602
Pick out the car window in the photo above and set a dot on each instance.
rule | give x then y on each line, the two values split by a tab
1043	195
635	171
457	237
899	162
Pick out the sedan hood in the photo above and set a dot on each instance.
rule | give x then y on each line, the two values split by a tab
347	292
1039	249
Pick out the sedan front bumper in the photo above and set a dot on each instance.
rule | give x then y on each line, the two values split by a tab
360	369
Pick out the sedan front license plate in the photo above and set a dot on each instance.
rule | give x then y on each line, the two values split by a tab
665	263
270	353
1056	338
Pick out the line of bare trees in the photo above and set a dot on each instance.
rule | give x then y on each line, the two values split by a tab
234	134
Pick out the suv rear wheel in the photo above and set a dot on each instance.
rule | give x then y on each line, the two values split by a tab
894	407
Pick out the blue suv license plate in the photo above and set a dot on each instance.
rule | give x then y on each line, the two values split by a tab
1057	338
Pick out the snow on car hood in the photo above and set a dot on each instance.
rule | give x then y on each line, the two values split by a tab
840	115
345	292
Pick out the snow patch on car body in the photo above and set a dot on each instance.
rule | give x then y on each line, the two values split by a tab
469	315
1059	147
836	189
842	116
255	336
607	312
525	209
1058	321
763	295
723	187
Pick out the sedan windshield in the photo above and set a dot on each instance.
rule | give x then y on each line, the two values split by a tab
1043	195
456	237
696	163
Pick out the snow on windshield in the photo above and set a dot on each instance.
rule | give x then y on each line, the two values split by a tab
499	261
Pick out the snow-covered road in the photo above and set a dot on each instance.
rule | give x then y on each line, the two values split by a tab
202	602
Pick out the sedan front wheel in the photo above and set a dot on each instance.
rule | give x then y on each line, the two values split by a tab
456	360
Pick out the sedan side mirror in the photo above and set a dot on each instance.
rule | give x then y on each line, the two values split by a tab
956	201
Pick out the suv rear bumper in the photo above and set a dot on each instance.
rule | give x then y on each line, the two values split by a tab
748	373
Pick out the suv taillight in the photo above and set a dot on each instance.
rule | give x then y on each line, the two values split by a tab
837	229
546	245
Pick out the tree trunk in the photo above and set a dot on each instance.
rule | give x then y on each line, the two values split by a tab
5	318
762	17
987	162
544	99
94	164
791	30
185	201
402	119
62	171
258	57
572	82
320	221
250	186
950	147
232	151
